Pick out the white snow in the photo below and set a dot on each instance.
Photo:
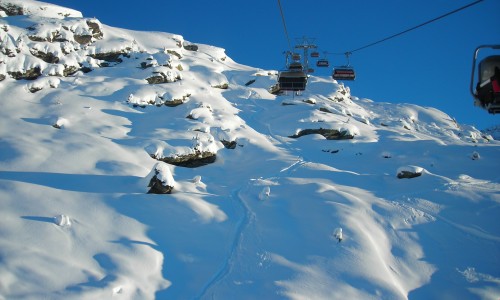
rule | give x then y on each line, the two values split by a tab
274	218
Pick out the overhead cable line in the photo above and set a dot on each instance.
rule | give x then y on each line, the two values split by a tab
412	28
284	25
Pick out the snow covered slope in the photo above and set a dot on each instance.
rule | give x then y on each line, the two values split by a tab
315	196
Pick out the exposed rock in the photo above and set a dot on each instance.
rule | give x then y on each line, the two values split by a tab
174	103
83	39
409	172
194	160
46	57
95	27
162	181
161	77
329	134
145	65
174	53
223	86
34	89
12	9
30	74
157	187
36	38
2	77
108	56
191	47
177	102
70	70
229	144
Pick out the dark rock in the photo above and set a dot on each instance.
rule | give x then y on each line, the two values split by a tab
195	160
191	47
12	9
174	53
145	65
408	174
222	86
46	57
161	77
174	103
86	69
157	79
329	134
35	89
108	56
83	39
95	27
156	186
30	74
69	70
229	144
36	38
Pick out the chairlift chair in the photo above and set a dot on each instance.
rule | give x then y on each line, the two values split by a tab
343	73
292	80
322	63
296	66
315	54
487	90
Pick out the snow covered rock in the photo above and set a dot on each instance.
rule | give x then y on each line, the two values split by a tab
162	181
60	123
265	193
62	220
165	76
203	151
409	172
329	134
337	234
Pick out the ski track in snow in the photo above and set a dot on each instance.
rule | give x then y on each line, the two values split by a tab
227	265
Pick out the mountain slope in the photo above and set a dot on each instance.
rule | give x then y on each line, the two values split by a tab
273	208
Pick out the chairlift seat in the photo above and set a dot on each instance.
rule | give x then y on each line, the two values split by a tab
296	66
322	63
488	86
314	54
292	80
344	73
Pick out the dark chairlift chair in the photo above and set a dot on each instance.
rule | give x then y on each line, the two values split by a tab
487	90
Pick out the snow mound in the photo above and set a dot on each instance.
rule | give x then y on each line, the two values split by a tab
62	220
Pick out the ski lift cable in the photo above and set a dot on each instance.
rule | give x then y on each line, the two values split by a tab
347	53
284	26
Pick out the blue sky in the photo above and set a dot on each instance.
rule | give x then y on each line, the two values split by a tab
430	66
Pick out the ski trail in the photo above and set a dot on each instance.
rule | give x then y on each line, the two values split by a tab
248	217
227	265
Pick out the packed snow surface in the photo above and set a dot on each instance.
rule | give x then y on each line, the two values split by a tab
274	216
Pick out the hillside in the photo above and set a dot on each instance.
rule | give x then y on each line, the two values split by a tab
322	195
